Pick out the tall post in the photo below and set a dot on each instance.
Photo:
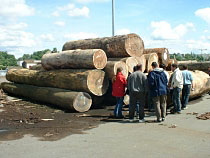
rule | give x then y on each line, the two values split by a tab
113	18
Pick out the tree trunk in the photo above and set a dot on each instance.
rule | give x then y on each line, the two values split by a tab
126	99
163	54
187	62
115	47
91	81
129	61
202	66
149	59
141	60
112	66
78	101
170	62
37	67
79	59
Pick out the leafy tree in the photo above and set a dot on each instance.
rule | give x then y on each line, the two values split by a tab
7	59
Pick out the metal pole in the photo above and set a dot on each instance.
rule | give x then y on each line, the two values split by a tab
113	18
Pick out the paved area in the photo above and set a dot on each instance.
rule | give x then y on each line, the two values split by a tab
179	136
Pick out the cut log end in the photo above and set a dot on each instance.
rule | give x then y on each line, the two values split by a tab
97	82
82	102
99	59
134	45
123	66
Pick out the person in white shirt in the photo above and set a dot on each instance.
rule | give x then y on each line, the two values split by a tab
177	85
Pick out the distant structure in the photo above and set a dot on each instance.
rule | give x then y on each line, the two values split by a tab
28	63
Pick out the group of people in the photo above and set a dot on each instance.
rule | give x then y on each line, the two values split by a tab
153	89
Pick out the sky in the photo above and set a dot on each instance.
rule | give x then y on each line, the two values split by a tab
182	26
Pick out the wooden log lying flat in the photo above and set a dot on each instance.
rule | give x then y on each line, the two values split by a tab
77	101
91	81
170	62
187	62
163	54
129	61
152	57
112	66
115	47
79	59
37	67
202	66
141	60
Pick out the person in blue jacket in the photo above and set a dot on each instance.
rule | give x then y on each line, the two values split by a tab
157	81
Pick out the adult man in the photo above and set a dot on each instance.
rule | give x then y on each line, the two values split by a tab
157	81
177	85
187	85
137	86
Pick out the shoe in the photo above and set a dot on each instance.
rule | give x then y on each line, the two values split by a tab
141	121
120	117
137	117
158	120
178	112
131	120
185	108
163	119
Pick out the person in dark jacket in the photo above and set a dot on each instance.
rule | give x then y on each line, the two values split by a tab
118	91
157	81
137	86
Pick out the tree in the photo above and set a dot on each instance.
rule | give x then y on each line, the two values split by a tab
7	60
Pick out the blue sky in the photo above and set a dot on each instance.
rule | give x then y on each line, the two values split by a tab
31	25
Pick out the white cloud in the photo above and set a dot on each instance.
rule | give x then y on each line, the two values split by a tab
47	37
60	23
164	31
123	31
197	44
89	1
206	31
72	11
80	35
15	8
204	14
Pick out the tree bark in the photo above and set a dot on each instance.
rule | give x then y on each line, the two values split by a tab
202	66
77	101
129	61
112	66
163	54
149	59
91	81
79	59
115	47
141	60
37	67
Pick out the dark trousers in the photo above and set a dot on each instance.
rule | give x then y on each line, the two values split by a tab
137	97
176	99
185	95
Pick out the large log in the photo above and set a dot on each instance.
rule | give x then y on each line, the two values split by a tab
115	47
36	67
202	66
141	60
170	62
77	101
79	59
91	81
112	66
163	54
152	57
187	62
129	61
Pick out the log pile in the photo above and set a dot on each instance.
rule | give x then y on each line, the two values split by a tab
81	74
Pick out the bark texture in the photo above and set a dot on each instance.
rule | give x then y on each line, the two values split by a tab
152	57
115	47
91	81
112	66
163	54
202	66
79	59
77	101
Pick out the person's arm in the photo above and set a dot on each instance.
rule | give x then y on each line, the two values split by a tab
191	78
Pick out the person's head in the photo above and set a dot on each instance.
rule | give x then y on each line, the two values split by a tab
163	66
134	68
174	67
154	65
119	69
185	67
209	68
139	67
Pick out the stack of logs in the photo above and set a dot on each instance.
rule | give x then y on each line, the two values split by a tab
80	75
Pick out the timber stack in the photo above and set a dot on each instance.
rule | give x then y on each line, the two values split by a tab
81	74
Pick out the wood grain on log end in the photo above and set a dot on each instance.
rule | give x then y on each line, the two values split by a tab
141	60
99	59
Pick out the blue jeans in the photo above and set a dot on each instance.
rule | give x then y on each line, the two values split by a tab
185	95
118	107
176	99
